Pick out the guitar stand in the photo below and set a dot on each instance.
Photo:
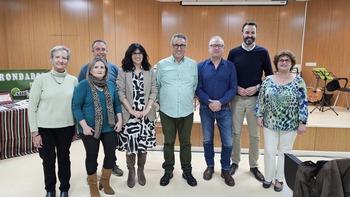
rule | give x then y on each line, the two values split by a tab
323	74
320	105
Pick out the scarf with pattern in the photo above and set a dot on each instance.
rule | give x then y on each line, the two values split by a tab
98	109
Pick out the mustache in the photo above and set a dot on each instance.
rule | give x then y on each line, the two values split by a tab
246	38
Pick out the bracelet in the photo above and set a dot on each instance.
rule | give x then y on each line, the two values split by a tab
35	136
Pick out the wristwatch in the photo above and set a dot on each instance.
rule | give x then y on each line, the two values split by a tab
303	122
258	87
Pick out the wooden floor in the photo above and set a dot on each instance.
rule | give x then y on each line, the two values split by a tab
326	131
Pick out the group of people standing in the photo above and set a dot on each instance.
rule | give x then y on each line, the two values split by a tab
117	107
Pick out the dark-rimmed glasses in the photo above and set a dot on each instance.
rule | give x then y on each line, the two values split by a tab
181	46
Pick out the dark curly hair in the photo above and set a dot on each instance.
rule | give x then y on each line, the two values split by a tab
127	64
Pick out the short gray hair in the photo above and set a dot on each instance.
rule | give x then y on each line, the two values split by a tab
60	48
178	35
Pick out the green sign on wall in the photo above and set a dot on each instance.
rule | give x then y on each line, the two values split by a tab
18	82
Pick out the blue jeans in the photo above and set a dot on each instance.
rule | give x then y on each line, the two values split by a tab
224	122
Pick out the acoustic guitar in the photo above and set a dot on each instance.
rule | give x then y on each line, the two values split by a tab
315	94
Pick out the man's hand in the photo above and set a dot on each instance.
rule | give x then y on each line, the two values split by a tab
214	105
247	92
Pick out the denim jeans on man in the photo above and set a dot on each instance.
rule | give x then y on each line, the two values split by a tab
223	119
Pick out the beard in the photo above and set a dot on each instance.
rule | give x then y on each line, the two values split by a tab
249	40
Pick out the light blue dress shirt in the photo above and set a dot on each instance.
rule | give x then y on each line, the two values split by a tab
177	83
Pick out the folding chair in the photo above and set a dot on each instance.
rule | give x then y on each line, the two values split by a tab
334	85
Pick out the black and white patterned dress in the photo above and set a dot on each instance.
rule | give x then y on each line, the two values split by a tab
137	135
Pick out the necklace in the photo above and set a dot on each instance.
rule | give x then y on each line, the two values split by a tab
54	78
99	88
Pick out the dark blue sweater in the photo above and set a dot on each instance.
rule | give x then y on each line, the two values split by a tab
250	65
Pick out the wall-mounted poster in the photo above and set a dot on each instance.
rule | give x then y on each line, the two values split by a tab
18	82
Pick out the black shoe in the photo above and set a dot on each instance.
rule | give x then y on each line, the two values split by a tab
233	168
208	173
64	194
190	179
164	181
257	174
51	194
278	189
117	171
266	184
225	174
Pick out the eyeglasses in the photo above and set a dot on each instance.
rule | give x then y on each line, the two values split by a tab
284	60
181	46
216	46
137	53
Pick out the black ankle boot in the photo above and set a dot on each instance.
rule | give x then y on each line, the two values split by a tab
64	194
51	194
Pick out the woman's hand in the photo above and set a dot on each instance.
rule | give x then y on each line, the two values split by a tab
118	126
145	112
137	114
37	140
88	130
301	128
259	122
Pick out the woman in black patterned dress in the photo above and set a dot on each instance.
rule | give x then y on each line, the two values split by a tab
137	92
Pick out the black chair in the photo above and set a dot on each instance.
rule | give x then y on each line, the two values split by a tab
334	85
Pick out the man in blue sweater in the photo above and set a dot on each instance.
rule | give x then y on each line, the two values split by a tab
217	85
99	49
250	61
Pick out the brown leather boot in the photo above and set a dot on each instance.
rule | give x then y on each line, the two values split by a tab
130	163
92	181
141	160
104	181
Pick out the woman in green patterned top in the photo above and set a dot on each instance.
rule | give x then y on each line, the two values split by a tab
282	109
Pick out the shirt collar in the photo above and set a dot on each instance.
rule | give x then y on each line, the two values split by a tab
247	48
209	60
174	60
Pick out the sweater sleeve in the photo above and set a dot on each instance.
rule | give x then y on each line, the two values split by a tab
34	100
82	73
78	100
303	102
116	100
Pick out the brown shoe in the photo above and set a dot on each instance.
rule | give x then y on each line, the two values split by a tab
208	173
225	174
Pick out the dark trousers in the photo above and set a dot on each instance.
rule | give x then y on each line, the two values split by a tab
92	146
172	126
56	140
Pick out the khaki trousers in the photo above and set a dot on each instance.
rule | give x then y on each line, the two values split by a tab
244	107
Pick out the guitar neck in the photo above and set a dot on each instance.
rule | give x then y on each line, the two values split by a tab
316	84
